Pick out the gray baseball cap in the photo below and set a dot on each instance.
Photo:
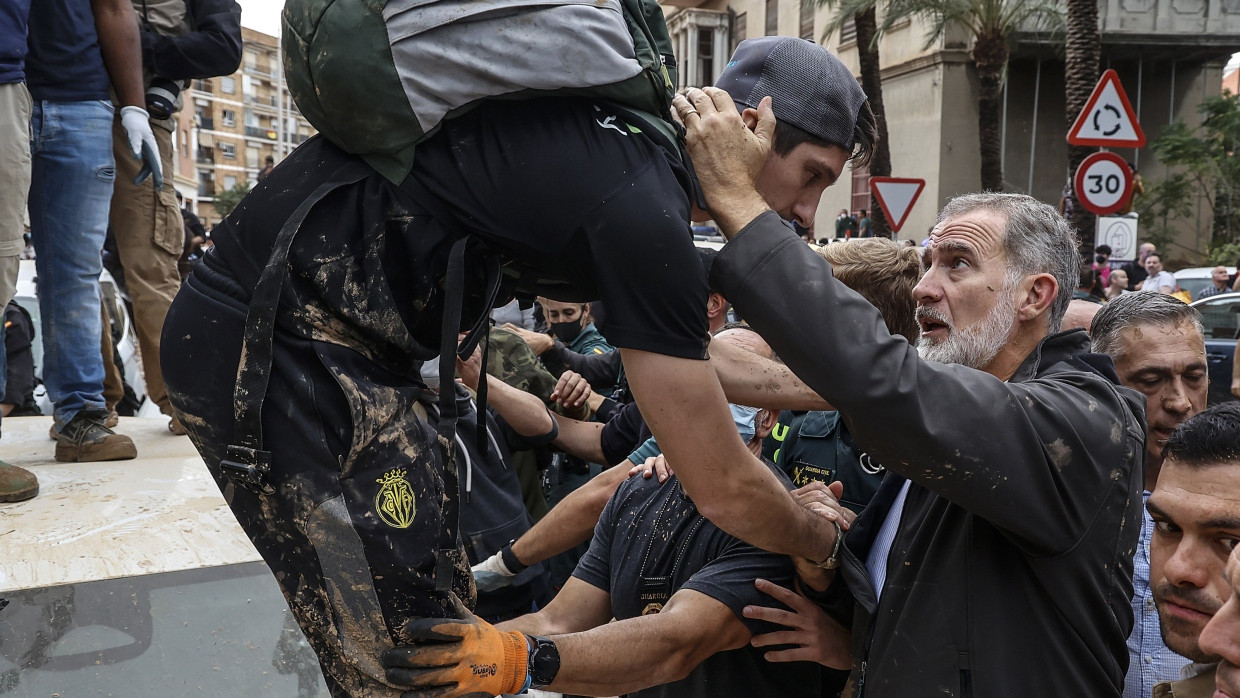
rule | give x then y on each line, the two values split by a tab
810	88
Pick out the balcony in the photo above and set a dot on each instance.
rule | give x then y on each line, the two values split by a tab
206	123
203	86
260	132
263	73
270	101
1164	29
206	190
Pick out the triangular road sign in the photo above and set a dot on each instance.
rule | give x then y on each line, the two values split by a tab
1107	121
896	195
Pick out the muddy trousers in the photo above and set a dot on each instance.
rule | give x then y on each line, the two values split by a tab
351	526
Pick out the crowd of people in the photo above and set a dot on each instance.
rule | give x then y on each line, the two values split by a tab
522	436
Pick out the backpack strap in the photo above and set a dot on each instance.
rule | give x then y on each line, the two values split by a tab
245	463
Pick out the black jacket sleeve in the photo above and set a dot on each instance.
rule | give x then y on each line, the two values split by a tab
212	48
1037	457
599	370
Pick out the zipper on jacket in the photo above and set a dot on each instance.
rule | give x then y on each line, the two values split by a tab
861	681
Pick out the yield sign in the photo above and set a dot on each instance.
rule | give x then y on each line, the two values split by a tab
1107	121
896	196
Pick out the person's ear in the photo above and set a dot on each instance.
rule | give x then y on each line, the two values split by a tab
764	422
750	117
1039	296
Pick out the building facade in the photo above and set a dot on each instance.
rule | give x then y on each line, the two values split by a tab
234	123
1169	55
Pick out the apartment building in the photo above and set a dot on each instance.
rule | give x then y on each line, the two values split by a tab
234	123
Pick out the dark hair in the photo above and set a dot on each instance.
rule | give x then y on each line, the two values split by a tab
1103	249
865	135
1154	254
1087	277
1208	437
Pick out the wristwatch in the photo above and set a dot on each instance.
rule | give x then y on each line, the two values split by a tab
833	561
544	661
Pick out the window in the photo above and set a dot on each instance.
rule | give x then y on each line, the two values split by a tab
848	31
251	156
229	150
706	54
228	117
860	200
740	30
772	17
807	20
228	85
229	182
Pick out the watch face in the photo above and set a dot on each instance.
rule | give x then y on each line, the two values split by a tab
544	662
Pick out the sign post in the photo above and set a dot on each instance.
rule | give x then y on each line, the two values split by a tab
896	195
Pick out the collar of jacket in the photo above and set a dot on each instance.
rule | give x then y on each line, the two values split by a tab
1071	346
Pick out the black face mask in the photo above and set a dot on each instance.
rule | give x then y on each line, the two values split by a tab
566	331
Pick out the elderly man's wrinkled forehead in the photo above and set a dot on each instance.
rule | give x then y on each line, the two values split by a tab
745	338
979	232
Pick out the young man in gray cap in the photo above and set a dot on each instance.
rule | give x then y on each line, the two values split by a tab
567	190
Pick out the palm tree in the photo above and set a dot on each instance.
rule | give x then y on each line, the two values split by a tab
872	83
1082	49
992	24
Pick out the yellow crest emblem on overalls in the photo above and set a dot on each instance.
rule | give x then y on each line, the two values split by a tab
394	503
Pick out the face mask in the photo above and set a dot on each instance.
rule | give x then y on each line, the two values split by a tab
566	331
746	419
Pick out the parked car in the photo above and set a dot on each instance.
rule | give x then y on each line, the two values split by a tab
1194	279
1220	318
124	341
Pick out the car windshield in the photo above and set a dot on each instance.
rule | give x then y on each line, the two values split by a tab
133	579
1220	316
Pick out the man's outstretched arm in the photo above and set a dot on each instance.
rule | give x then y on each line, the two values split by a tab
684	406
754	380
636	653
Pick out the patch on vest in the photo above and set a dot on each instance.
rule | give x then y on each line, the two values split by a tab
651	609
394	503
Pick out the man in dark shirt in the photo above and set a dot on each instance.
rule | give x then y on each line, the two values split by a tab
79	52
327	283
676	586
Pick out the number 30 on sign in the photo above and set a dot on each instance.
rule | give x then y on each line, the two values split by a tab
1103	183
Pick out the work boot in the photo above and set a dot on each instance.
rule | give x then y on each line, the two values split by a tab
87	438
111	422
16	484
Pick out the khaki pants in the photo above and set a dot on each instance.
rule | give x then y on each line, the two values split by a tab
14	182
149	239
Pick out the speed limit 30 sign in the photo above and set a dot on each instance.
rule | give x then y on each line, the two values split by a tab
1103	183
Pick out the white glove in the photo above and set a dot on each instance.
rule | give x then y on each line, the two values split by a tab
137	125
492	574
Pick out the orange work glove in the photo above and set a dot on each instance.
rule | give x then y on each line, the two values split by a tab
452	657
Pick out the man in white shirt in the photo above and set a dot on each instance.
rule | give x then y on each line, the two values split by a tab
1158	280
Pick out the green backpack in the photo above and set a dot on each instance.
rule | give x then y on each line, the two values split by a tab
377	77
